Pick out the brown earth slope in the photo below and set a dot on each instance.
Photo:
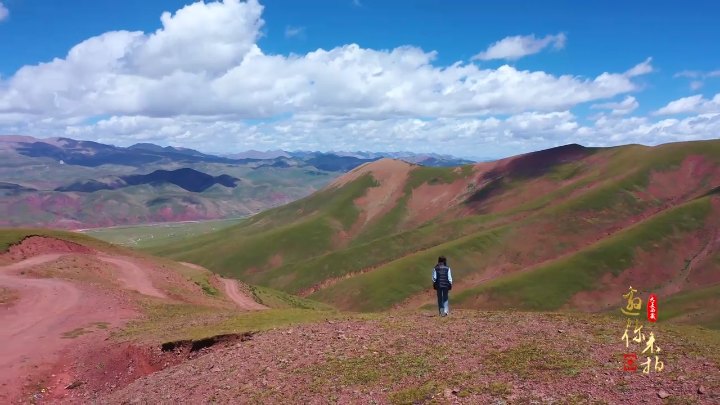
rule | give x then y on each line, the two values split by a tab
69	297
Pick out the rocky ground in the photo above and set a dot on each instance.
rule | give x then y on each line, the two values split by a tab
418	358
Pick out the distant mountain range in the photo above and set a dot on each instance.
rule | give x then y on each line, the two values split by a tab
93	154
256	154
67	183
187	179
425	159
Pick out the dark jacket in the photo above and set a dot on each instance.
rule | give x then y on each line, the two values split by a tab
442	277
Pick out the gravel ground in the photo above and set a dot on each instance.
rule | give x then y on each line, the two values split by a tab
418	358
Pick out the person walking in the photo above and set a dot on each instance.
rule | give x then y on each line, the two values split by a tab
442	282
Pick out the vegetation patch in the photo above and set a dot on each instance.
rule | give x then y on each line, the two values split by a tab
149	235
415	395
77	332
8	295
527	359
369	368
698	302
175	321
390	223
280	300
14	236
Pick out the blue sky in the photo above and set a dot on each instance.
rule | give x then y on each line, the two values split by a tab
609	36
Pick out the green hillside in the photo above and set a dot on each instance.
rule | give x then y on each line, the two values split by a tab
532	231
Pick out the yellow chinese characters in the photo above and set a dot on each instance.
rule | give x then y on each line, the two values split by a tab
651	345
633	303
638	336
658	365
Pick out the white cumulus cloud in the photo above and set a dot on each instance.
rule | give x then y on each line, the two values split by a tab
469	137
205	61
513	48
691	105
199	79
640	68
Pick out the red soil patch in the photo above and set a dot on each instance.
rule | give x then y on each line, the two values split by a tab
664	270
133	276
54	321
341	240
687	182
381	168
50	316
174	285
105	370
392	175
276	261
40	245
428	201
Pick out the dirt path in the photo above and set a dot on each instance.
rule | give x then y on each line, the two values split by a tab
243	301
32	329
133	276
233	291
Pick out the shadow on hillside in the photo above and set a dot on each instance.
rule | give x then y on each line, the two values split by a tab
526	167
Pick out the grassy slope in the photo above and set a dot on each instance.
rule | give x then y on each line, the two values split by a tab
295	277
394	282
619	189
551	286
610	201
13	236
296	231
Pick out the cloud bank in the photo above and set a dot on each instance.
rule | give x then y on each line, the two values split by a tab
513	48
202	81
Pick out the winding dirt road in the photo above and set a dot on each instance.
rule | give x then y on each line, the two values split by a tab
133	276
33	327
243	301
233	291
